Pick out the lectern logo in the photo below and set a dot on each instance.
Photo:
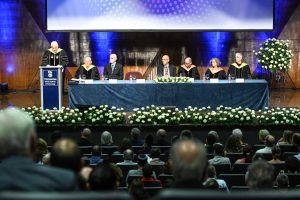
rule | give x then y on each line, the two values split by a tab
50	74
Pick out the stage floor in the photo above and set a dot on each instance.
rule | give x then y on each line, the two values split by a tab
24	98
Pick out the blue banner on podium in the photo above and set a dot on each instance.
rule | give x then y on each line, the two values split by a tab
51	94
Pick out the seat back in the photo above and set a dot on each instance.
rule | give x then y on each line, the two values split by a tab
137	75
288	148
125	169
223	169
233	179
240	168
166	180
108	149
234	156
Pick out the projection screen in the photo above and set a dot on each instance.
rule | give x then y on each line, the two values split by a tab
159	15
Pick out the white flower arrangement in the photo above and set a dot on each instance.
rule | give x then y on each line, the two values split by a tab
165	79
274	55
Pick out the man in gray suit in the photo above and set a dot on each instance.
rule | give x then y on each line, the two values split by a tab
113	70
166	69
17	147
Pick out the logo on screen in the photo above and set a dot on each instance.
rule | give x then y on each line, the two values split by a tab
50	74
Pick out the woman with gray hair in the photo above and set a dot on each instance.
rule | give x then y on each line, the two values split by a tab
106	139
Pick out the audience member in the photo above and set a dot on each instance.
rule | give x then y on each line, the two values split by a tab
106	139
238	132
211	138
292	165
46	159
211	184
282	182
161	140
128	158
17	146
260	175
96	159
276	152
136	189
125	144
211	174
296	141
189	164
262	134
155	157
103	178
41	150
286	137
247	155
56	135
135	137
219	158
147	145
186	134
86	133
269	142
233	144
147	179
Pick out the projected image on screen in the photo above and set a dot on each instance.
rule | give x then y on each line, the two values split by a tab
118	15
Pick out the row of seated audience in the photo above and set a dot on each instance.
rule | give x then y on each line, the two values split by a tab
185	165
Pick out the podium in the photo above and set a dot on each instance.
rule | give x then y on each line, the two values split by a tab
51	87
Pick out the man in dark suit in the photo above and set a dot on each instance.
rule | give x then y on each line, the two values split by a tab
113	70
17	147
166	69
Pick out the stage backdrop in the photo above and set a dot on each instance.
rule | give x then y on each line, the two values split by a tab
23	39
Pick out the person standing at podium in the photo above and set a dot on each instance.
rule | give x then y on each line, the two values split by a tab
55	56
239	69
113	70
87	70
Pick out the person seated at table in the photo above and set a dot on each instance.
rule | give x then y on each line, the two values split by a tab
188	69
239	69
113	70
87	70
215	71
166	69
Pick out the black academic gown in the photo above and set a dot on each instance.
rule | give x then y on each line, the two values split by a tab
54	59
90	73
117	73
239	70
191	72
220	74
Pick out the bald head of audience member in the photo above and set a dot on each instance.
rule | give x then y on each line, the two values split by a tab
269	141
17	133
189	160
66	154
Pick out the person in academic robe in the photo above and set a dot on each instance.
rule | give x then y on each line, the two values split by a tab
188	69
87	70
55	56
239	69
215	71
113	70
166	69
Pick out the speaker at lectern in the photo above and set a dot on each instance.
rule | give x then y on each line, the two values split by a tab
51	87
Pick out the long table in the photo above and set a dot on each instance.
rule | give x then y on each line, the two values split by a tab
253	94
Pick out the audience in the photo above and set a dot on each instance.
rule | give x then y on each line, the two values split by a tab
96	159
155	157
86	134
292	165
142	160
147	145
296	141
238	132
189	164
103	178
128	158
211	138
125	144
260	176
276	152
269	142
286	137
262	134
17	146
147	179
219	158
233	144
161	140
135	137
186	134
106	139
41	150
136	189
247	155
282	182
211	174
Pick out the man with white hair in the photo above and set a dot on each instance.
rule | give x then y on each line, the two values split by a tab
239	69
166	69
17	147
113	70
87	70
55	56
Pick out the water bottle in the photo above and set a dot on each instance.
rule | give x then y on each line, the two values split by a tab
229	77
130	77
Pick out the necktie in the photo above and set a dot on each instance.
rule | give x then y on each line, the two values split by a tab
112	67
166	70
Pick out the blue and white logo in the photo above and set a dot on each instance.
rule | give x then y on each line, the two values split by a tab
49	74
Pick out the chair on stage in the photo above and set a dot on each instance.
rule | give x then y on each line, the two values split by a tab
137	75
